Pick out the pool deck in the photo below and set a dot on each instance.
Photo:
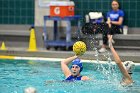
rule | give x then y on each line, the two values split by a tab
132	55
18	46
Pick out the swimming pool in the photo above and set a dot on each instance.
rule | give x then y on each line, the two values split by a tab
46	77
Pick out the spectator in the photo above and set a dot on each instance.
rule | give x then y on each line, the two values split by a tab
114	21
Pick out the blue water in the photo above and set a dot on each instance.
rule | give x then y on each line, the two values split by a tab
46	77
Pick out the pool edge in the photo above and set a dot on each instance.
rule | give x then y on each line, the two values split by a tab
50	59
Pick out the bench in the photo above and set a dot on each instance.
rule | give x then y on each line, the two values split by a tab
123	37
130	41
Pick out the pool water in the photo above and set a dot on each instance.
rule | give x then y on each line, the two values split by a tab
46	77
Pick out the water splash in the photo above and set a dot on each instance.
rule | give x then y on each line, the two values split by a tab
108	69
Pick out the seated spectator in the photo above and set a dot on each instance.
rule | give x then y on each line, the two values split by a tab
109	28
114	21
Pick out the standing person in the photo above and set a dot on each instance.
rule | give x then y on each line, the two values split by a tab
126	67
73	73
114	21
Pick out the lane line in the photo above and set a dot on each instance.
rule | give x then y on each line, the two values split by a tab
52	59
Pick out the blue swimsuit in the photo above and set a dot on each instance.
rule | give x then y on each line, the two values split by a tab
72	78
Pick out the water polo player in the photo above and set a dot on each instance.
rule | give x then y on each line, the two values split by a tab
73	73
126	67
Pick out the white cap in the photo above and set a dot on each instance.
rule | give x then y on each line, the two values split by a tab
129	66
30	90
